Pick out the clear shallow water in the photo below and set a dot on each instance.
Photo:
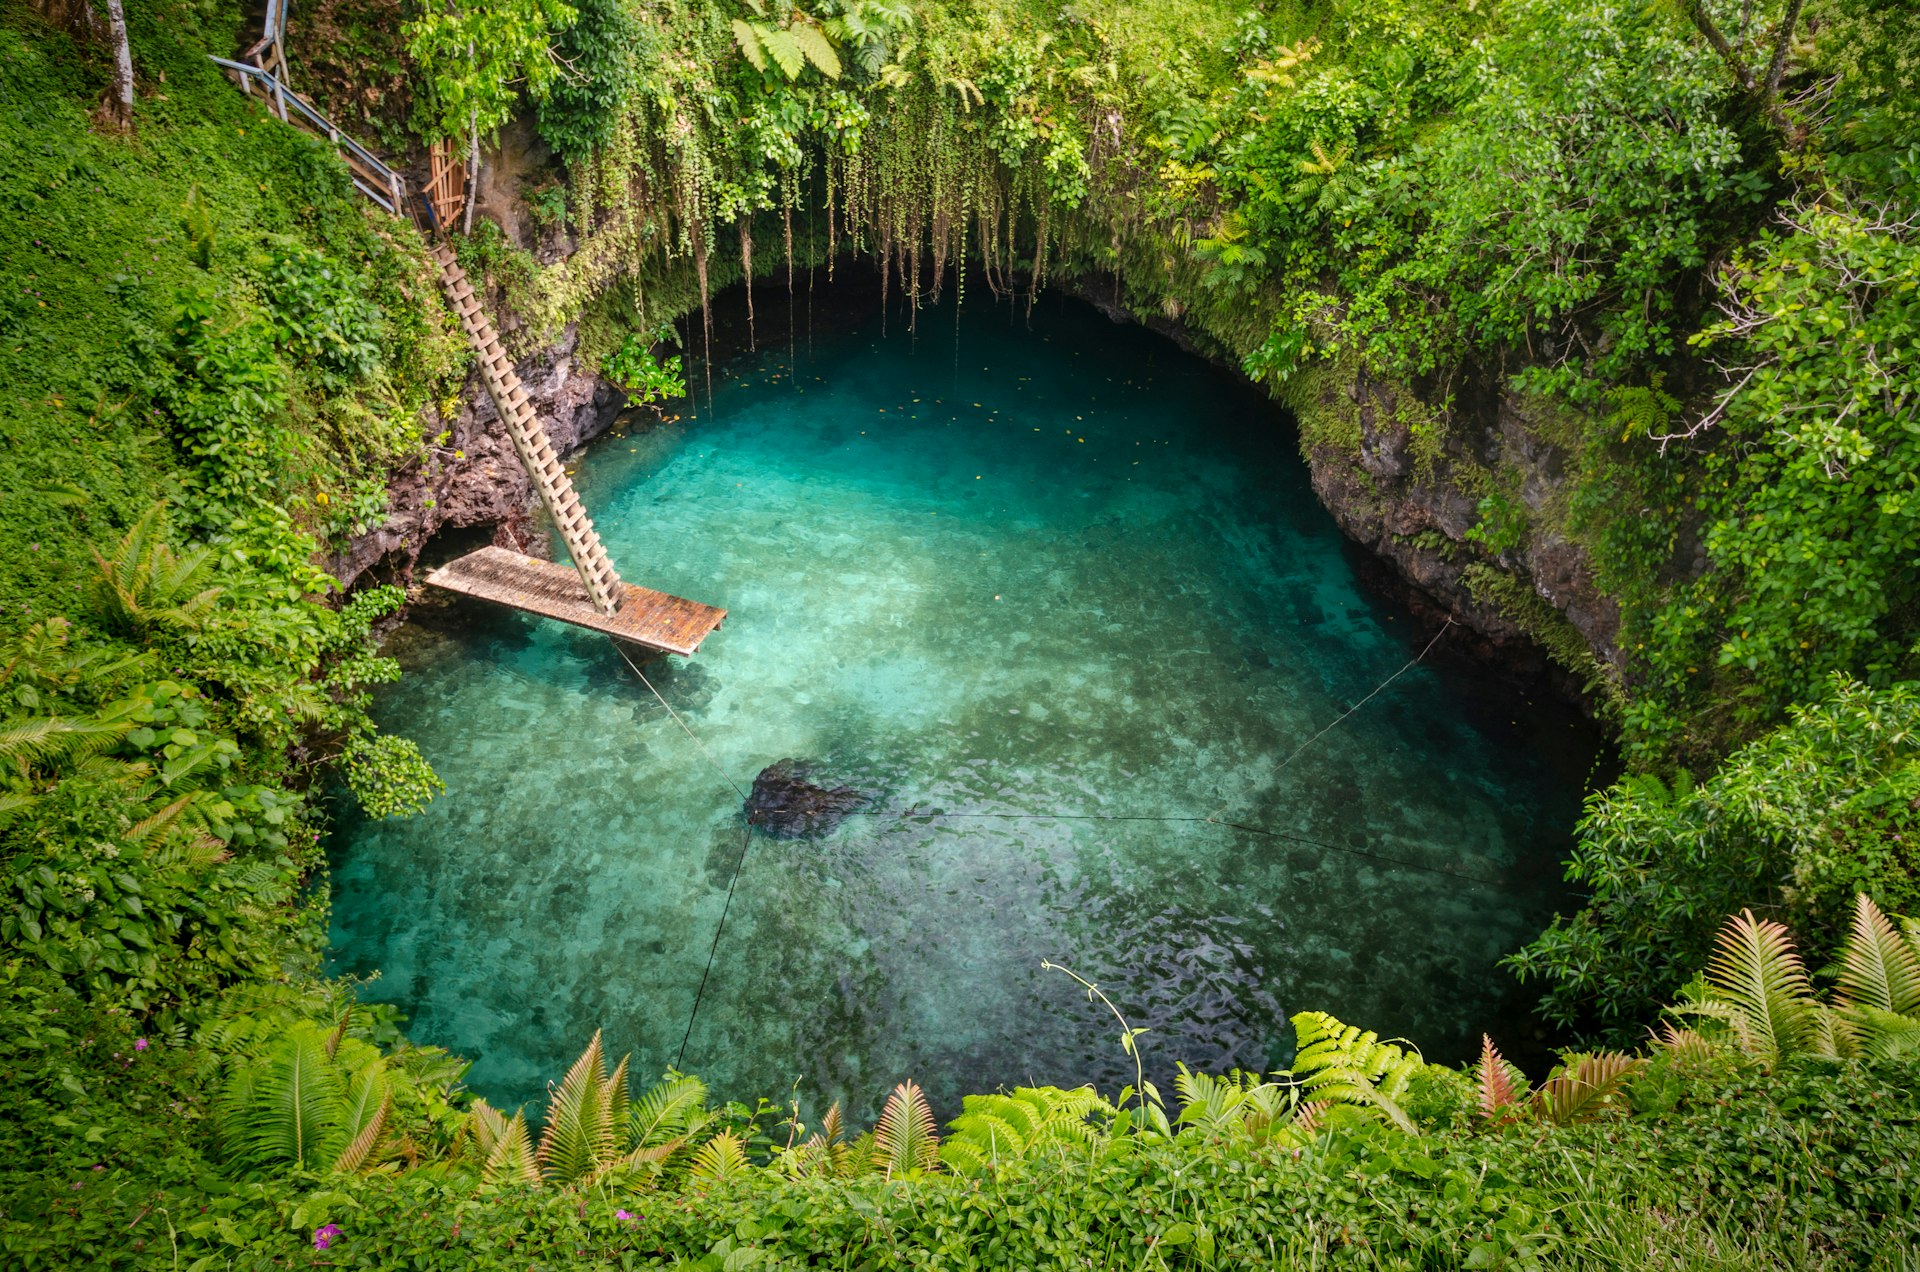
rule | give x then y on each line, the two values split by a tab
1067	571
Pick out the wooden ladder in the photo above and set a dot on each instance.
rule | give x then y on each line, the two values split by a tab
530	440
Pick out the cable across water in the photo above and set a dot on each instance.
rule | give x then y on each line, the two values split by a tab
908	814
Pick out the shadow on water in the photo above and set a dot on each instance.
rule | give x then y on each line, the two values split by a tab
1049	587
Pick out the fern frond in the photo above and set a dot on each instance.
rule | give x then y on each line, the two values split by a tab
144	585
159	820
1495	1080
856	1157
989	1132
747	36
825	1152
778	43
361	1149
1206	1102
367	1090
487	1125
1757	985
512	1160
675	1109
1347	1065
641	1167
1885	1035
1682	1044
904	1139
578	1138
617	1100
286	1109
1879	966
52	740
1586	1087
817	48
832	1127
721	1158
196	851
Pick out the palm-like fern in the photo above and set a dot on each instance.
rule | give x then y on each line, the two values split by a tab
721	1158
868	27
40	750
145	587
1346	1065
504	1145
1880	965
579	1139
1878	1001
790	44
1582	1088
310	1102
904	1139
1234	1106
1028	1123
595	1131
670	1114
1501	1086
1757	988
1586	1087
826	1154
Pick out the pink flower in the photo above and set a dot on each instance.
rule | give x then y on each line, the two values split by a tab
139	1044
323	1236
623	1216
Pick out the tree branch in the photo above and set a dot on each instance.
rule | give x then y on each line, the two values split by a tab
1782	45
1697	13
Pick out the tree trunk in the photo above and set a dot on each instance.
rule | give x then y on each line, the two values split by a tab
473	157
473	173
117	110
74	16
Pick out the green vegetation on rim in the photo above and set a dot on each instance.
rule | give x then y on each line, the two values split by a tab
1686	231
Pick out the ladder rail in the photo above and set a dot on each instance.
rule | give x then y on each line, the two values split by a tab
530	441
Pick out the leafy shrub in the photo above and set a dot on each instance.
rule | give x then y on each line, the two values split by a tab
1806	817
601	53
634	368
1815	524
324	316
1502	526
389	776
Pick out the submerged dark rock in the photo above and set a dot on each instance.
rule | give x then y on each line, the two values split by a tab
786	805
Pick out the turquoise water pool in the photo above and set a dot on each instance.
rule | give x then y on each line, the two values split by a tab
1030	587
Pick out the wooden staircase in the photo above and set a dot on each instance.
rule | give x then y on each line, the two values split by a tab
656	620
550	479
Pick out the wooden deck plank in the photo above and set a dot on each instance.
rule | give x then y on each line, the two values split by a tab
551	590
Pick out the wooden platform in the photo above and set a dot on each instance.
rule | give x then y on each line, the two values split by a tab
551	590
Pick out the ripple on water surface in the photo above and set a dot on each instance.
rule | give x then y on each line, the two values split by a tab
1068	571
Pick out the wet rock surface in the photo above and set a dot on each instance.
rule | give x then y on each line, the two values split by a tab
1414	524
786	805
473	478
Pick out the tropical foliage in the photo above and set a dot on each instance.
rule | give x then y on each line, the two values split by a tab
1674	243
378	1149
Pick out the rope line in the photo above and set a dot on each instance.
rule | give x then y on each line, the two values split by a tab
746	837
739	863
746	841
682	723
1370	697
1211	821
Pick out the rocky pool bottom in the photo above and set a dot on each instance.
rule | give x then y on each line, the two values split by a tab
1056	602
